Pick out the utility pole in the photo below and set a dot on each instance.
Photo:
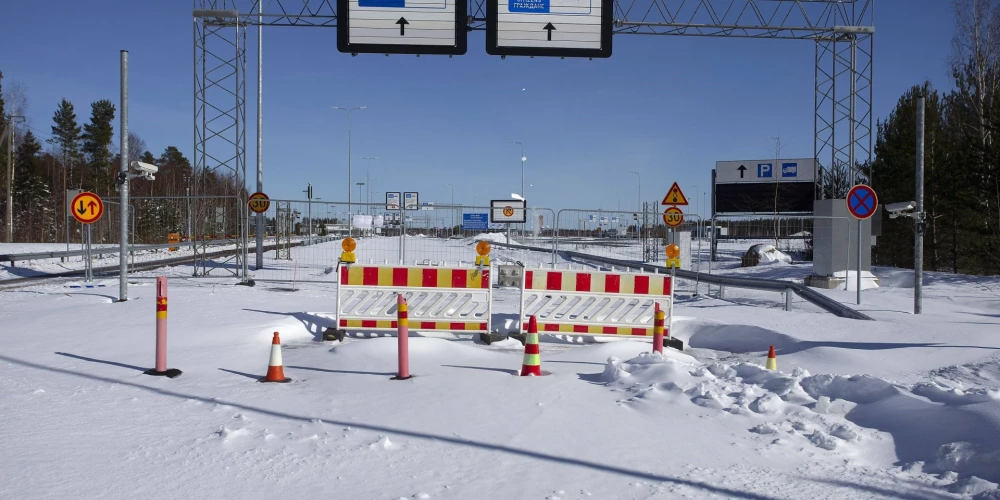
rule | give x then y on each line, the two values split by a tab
919	217
123	182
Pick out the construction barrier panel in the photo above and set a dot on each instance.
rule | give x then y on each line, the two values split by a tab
457	300
594	302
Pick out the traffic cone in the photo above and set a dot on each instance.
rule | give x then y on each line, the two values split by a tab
275	371
772	360
532	364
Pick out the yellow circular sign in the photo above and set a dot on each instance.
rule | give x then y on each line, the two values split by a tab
673	251
349	244
259	203
483	248
87	207
673	216
508	211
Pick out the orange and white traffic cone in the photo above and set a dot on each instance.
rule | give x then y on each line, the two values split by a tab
275	371
772	360
532	364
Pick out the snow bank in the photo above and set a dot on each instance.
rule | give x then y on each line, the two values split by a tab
493	238
934	429
764	254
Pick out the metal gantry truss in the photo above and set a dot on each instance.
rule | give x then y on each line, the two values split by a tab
220	124
842	31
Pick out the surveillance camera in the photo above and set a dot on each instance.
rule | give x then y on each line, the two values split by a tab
898	208
145	168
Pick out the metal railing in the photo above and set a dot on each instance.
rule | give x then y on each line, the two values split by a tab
785	287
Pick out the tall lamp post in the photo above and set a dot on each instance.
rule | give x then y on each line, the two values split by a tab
452	205
368	165
350	222
638	201
523	158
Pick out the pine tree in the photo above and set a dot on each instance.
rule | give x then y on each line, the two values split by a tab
66	137
97	136
31	192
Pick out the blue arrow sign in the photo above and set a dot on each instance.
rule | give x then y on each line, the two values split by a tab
862	201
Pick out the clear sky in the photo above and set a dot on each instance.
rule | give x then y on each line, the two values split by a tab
666	107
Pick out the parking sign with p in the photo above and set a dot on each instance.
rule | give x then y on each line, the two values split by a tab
763	170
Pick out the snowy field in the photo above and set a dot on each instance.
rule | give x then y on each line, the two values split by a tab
902	407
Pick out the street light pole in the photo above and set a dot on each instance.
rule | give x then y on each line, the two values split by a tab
368	165
452	205
350	222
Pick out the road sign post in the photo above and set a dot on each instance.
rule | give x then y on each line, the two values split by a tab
862	203
87	209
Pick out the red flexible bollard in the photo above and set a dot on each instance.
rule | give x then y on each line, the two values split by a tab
658	320
161	332
403	337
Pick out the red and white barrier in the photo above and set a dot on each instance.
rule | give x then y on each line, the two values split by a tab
595	302
457	300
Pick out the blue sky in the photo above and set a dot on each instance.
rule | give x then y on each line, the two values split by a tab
666	107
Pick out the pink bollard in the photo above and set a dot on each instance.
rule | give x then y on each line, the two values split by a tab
403	337
161	332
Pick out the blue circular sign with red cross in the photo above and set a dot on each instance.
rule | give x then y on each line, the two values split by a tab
861	201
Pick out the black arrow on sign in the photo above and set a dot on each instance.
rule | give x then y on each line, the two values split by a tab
549	28
82	210
742	169
402	26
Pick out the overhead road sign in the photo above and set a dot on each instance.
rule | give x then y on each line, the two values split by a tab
392	201
475	222
411	201
772	170
402	26
556	28
675	196
259	202
673	216
508	211
862	201
87	207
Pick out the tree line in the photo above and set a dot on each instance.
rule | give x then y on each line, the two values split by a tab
961	157
84	157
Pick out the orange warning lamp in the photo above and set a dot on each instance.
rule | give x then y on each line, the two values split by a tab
348	256
673	251
483	249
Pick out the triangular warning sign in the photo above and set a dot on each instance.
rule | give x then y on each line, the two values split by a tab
674	197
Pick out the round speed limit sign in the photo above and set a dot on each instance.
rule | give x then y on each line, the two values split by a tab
259	203
673	216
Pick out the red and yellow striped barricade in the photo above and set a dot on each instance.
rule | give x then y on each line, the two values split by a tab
457	300
595	302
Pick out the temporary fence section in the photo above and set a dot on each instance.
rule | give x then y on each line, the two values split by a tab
636	236
732	236
594	303
457	299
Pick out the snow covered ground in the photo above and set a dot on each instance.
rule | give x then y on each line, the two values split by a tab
902	407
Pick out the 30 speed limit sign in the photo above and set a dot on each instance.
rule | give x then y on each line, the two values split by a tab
259	203
673	216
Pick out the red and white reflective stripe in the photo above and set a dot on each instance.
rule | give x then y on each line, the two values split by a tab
597	282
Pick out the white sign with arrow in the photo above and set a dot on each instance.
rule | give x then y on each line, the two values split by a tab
772	170
402	26
556	28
